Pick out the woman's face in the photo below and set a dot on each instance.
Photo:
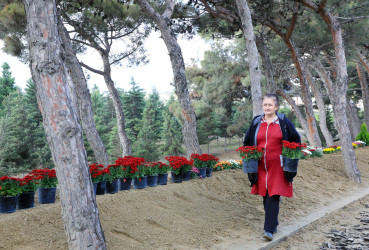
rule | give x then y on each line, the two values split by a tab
269	107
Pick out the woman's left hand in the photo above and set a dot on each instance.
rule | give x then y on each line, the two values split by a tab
253	178
289	175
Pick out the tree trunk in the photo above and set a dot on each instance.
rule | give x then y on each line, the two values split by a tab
188	114
83	98
297	112
363	61
118	106
267	65
321	107
353	118
255	75
306	96
79	208
339	104
364	91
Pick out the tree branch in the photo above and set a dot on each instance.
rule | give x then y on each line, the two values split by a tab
310	4
216	13
293	22
322	5
125	34
87	44
125	55
169	8
350	19
92	69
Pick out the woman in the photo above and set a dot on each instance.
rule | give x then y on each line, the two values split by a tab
269	179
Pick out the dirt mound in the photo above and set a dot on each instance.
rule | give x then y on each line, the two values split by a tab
194	214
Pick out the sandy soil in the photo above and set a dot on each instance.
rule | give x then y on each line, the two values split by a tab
314	235
198	214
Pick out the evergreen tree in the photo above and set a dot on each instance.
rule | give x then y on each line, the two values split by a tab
39	151
104	118
133	107
7	84
241	117
205	122
114	147
13	144
145	145
171	136
221	122
158	107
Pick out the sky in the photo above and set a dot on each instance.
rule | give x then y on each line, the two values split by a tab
156	74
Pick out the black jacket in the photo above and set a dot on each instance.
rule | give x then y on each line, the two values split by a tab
289	132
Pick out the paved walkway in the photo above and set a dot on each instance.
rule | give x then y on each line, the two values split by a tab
286	231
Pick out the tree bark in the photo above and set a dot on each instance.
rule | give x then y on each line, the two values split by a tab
189	119
339	102
79	208
297	112
364	91
118	106
83	98
353	118
321	107
306	95
267	65
255	75
363	61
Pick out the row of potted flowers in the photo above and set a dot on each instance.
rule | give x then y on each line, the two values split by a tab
130	169
332	149
19	193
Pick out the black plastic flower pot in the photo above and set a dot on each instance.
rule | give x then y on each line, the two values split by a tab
112	187
209	171
176	178
8	204
125	184
187	176
46	195
140	183
26	200
101	188
202	173
162	179
95	187
152	180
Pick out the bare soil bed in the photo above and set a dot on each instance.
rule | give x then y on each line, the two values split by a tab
198	214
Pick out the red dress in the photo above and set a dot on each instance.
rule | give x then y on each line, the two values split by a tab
270	172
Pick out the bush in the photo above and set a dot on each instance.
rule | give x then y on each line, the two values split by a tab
363	135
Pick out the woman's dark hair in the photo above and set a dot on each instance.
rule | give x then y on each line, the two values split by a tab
272	96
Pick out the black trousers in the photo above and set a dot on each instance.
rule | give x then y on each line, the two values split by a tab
271	208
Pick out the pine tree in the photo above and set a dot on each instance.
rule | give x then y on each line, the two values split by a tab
7	84
133	107
39	151
114	147
158	106
146	143
14	153
106	122
171	136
